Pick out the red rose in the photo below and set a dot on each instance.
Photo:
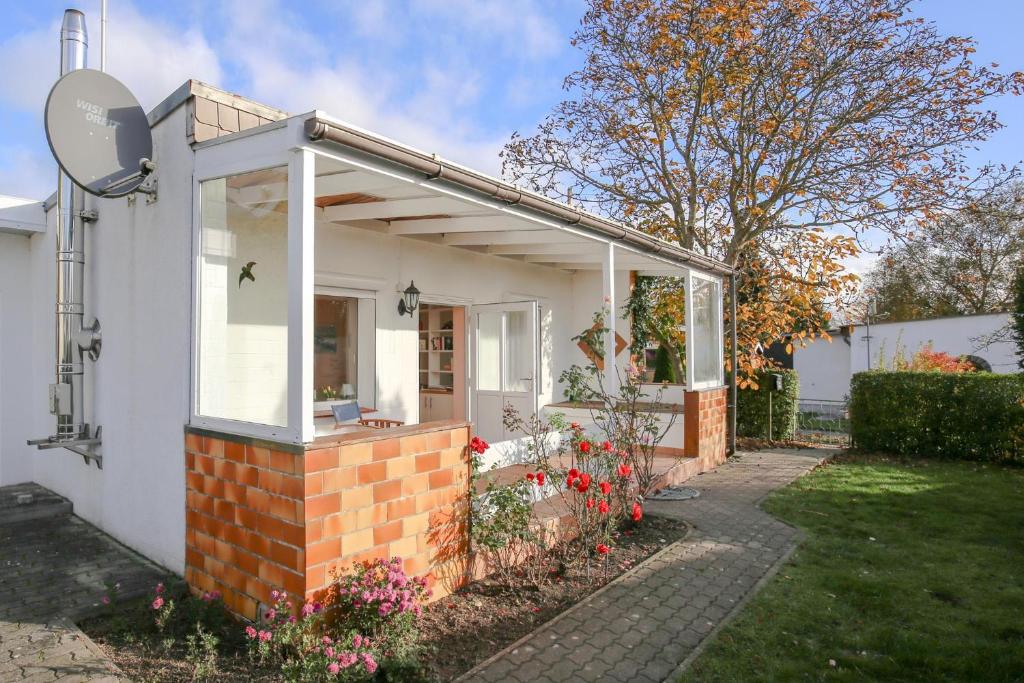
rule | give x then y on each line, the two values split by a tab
584	483
638	512
603	507
540	478
584	446
478	445
529	476
606	488
575	426
607	446
624	470
602	549
590	503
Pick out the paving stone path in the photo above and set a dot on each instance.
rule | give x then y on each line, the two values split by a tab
54	571
648	624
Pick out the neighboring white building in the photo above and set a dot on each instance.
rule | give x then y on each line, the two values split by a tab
825	367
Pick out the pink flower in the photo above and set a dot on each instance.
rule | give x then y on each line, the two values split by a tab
159	588
357	641
575	426
271	613
250	632
308	609
333	668
158	603
105	599
368	662
265	636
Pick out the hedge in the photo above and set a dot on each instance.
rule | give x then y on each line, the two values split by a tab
969	415
752	406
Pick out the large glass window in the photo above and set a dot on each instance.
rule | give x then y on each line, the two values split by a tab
707	340
243	298
336	347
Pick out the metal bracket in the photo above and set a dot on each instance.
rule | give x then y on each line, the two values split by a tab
84	447
90	340
89	215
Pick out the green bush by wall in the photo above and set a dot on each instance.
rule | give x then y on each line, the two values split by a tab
970	415
752	407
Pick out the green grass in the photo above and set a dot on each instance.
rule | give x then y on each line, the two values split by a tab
910	571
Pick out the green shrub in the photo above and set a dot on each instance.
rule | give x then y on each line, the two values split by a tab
752	406
663	370
972	415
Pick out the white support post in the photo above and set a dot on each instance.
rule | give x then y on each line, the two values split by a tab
611	375
301	234
688	321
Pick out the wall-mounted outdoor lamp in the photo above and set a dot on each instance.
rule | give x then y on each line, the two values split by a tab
410	300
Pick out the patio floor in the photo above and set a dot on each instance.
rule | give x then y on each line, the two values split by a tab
649	623
54	570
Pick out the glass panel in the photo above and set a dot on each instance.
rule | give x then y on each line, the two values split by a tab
519	364
335	347
488	359
243	298
707	340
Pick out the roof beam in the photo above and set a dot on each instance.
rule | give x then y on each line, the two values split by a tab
436	226
541	247
509	237
395	208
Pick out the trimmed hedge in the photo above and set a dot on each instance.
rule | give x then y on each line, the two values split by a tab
969	415
752	406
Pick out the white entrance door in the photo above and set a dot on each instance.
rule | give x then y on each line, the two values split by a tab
505	365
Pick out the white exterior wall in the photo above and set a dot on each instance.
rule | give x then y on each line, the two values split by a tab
16	350
138	285
825	368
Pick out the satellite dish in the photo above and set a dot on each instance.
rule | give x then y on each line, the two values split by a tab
98	133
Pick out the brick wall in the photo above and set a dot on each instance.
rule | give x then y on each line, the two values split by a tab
261	516
705	430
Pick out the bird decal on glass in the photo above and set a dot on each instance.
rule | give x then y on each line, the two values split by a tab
246	273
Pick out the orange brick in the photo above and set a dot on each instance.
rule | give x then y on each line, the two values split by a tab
371	516
271	573
341	478
247	562
416	524
357	541
190	461
387	533
356	498
320	506
194	443
403	507
323	551
316	577
194	481
453	456
320	459
460	437
193	558
336	525
401	467
270	481
258	500
204	464
313	531
294	583
234	492
372	472
386	448
440	479
379	552
224	510
428	462
356	454
314	484
403	547
214	487
224	469
293	534
245	474
415	484
285	508
287	556
257	456
246	518
283	462
231	450
200	502
411	445
439	440
417	565
387	490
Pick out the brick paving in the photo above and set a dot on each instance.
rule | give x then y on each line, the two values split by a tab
54	571
648	624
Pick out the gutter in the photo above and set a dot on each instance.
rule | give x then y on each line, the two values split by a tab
437	169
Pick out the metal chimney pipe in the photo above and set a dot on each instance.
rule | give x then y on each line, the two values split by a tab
67	395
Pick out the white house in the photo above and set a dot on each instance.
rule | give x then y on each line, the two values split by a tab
825	367
218	455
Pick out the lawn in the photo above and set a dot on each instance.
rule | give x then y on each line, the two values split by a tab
910	570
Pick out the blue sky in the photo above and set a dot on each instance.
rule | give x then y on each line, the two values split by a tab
451	76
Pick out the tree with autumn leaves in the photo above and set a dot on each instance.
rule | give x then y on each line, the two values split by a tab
770	134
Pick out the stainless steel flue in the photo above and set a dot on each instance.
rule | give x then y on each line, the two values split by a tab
67	395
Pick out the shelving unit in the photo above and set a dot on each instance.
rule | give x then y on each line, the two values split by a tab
437	347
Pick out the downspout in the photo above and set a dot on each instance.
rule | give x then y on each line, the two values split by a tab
734	353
